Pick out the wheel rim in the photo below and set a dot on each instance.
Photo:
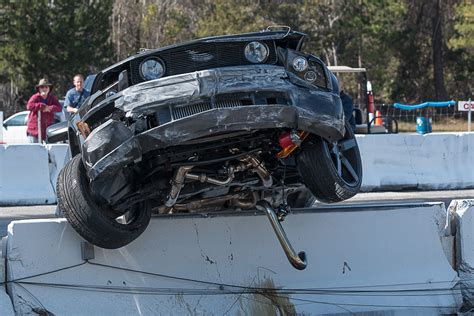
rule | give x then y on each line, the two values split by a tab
125	218
345	158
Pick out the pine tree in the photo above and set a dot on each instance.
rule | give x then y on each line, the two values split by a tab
55	39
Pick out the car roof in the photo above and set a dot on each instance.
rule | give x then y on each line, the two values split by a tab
17	114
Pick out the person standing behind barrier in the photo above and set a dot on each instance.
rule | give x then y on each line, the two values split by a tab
42	104
77	95
348	106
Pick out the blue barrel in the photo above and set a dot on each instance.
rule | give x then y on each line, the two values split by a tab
423	125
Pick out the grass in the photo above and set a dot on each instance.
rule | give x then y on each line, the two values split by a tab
442	125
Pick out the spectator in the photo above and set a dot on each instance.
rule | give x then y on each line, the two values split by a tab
42	104
348	106
77	95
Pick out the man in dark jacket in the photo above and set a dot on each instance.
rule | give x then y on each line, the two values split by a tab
42	106
348	107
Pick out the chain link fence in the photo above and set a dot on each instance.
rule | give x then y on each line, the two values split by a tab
443	119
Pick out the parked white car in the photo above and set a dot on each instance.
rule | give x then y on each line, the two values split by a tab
14	128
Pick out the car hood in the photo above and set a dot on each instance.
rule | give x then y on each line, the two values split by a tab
288	38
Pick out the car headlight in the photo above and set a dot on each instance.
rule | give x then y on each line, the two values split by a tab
311	76
300	64
256	52
308	68
151	68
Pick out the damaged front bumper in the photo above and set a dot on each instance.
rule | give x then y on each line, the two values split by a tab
203	103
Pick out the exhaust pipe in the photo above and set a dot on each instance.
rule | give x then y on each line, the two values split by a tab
204	178
298	261
260	170
177	185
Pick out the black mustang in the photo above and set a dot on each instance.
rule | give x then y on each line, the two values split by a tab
215	124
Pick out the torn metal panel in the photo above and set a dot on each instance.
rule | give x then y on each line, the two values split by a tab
107	138
111	149
209	122
148	97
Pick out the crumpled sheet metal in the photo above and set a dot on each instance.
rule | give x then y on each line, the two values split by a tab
234	119
113	137
219	120
176	89
183	89
323	118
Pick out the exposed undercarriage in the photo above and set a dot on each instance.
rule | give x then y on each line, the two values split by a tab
219	172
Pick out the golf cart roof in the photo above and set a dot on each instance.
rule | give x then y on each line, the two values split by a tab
340	69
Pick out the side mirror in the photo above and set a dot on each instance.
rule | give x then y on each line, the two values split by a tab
57	132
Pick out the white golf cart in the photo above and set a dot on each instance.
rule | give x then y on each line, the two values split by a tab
355	84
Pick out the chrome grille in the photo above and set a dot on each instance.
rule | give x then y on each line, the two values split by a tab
180	112
228	104
229	101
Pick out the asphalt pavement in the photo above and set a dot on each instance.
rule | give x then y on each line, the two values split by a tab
10	213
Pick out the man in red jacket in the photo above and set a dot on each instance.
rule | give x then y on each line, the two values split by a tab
41	104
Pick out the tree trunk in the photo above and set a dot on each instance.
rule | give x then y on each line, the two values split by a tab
437	46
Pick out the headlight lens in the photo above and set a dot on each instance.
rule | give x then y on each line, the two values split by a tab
151	68
256	52
311	76
300	64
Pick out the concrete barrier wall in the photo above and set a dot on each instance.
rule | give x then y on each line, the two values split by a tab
6	304
413	161
379	259
24	175
28	173
59	155
462	214
390	162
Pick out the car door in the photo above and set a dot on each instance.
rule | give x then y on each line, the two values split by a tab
14	128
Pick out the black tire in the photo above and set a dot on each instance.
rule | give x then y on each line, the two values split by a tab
95	223
302	199
331	171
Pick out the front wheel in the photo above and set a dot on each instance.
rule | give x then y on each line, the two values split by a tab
97	223
331	171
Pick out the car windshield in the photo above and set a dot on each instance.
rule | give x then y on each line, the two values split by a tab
89	81
18	120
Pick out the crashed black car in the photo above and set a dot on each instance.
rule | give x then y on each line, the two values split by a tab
215	124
